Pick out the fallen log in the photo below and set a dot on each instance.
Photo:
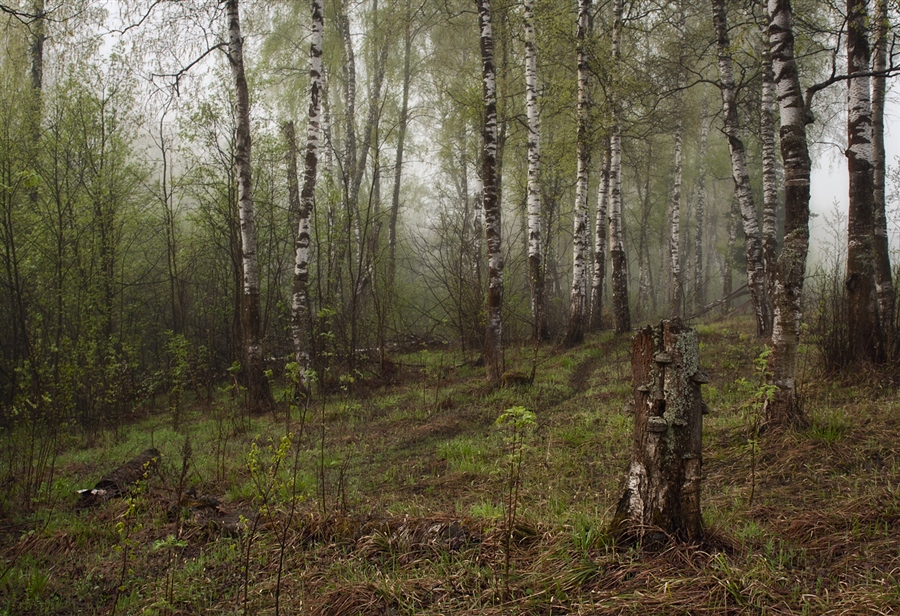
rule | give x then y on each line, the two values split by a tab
122	480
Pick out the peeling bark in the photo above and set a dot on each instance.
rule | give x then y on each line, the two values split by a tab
662	489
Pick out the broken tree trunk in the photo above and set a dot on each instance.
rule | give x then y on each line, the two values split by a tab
662	491
122	480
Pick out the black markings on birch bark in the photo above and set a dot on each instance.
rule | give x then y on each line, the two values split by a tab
784	407
493	349
756	273
601	245
700	215
535	267
257	384
580	235
862	311
621	310
301	314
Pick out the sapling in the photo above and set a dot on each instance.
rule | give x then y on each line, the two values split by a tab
124	528
519	423
264	475
757	392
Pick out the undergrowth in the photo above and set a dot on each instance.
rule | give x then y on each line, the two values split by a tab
406	498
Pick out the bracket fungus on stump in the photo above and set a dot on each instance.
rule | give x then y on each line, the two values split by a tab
662	489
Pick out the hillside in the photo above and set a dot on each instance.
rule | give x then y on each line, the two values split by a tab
401	487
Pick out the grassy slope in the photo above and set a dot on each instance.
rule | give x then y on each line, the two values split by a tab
413	511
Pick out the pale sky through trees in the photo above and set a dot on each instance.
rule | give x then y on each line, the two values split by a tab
830	183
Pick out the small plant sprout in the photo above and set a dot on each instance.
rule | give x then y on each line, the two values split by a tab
756	392
518	422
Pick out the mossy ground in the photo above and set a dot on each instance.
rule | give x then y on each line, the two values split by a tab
402	510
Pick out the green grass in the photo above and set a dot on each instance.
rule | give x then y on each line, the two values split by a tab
400	509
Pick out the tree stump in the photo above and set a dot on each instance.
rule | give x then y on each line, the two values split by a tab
662	489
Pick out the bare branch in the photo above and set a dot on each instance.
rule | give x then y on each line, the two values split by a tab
181	73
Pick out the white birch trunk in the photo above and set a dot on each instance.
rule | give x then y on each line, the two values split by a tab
675	231
756	273
301	315
535	269
782	407
616	230
601	229
493	345
580	237
700	216
769	168
257	384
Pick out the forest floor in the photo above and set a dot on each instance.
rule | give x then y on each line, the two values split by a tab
401	495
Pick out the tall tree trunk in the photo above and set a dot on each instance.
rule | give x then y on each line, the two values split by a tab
728	260
600	245
493	341
580	236
756	273
38	37
401	144
644	303
783	406
675	307
700	216
301	314
257	385
535	250
621	310
863	330
884	284
769	172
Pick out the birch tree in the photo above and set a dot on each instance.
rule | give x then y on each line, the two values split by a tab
790	268
863	334
257	384
580	237
675	230
493	345
884	284
619	260
535	267
700	216
756	273
769	167
601	245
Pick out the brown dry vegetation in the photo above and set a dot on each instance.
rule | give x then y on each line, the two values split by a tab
411	518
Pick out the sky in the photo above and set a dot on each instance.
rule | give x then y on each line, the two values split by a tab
829	185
